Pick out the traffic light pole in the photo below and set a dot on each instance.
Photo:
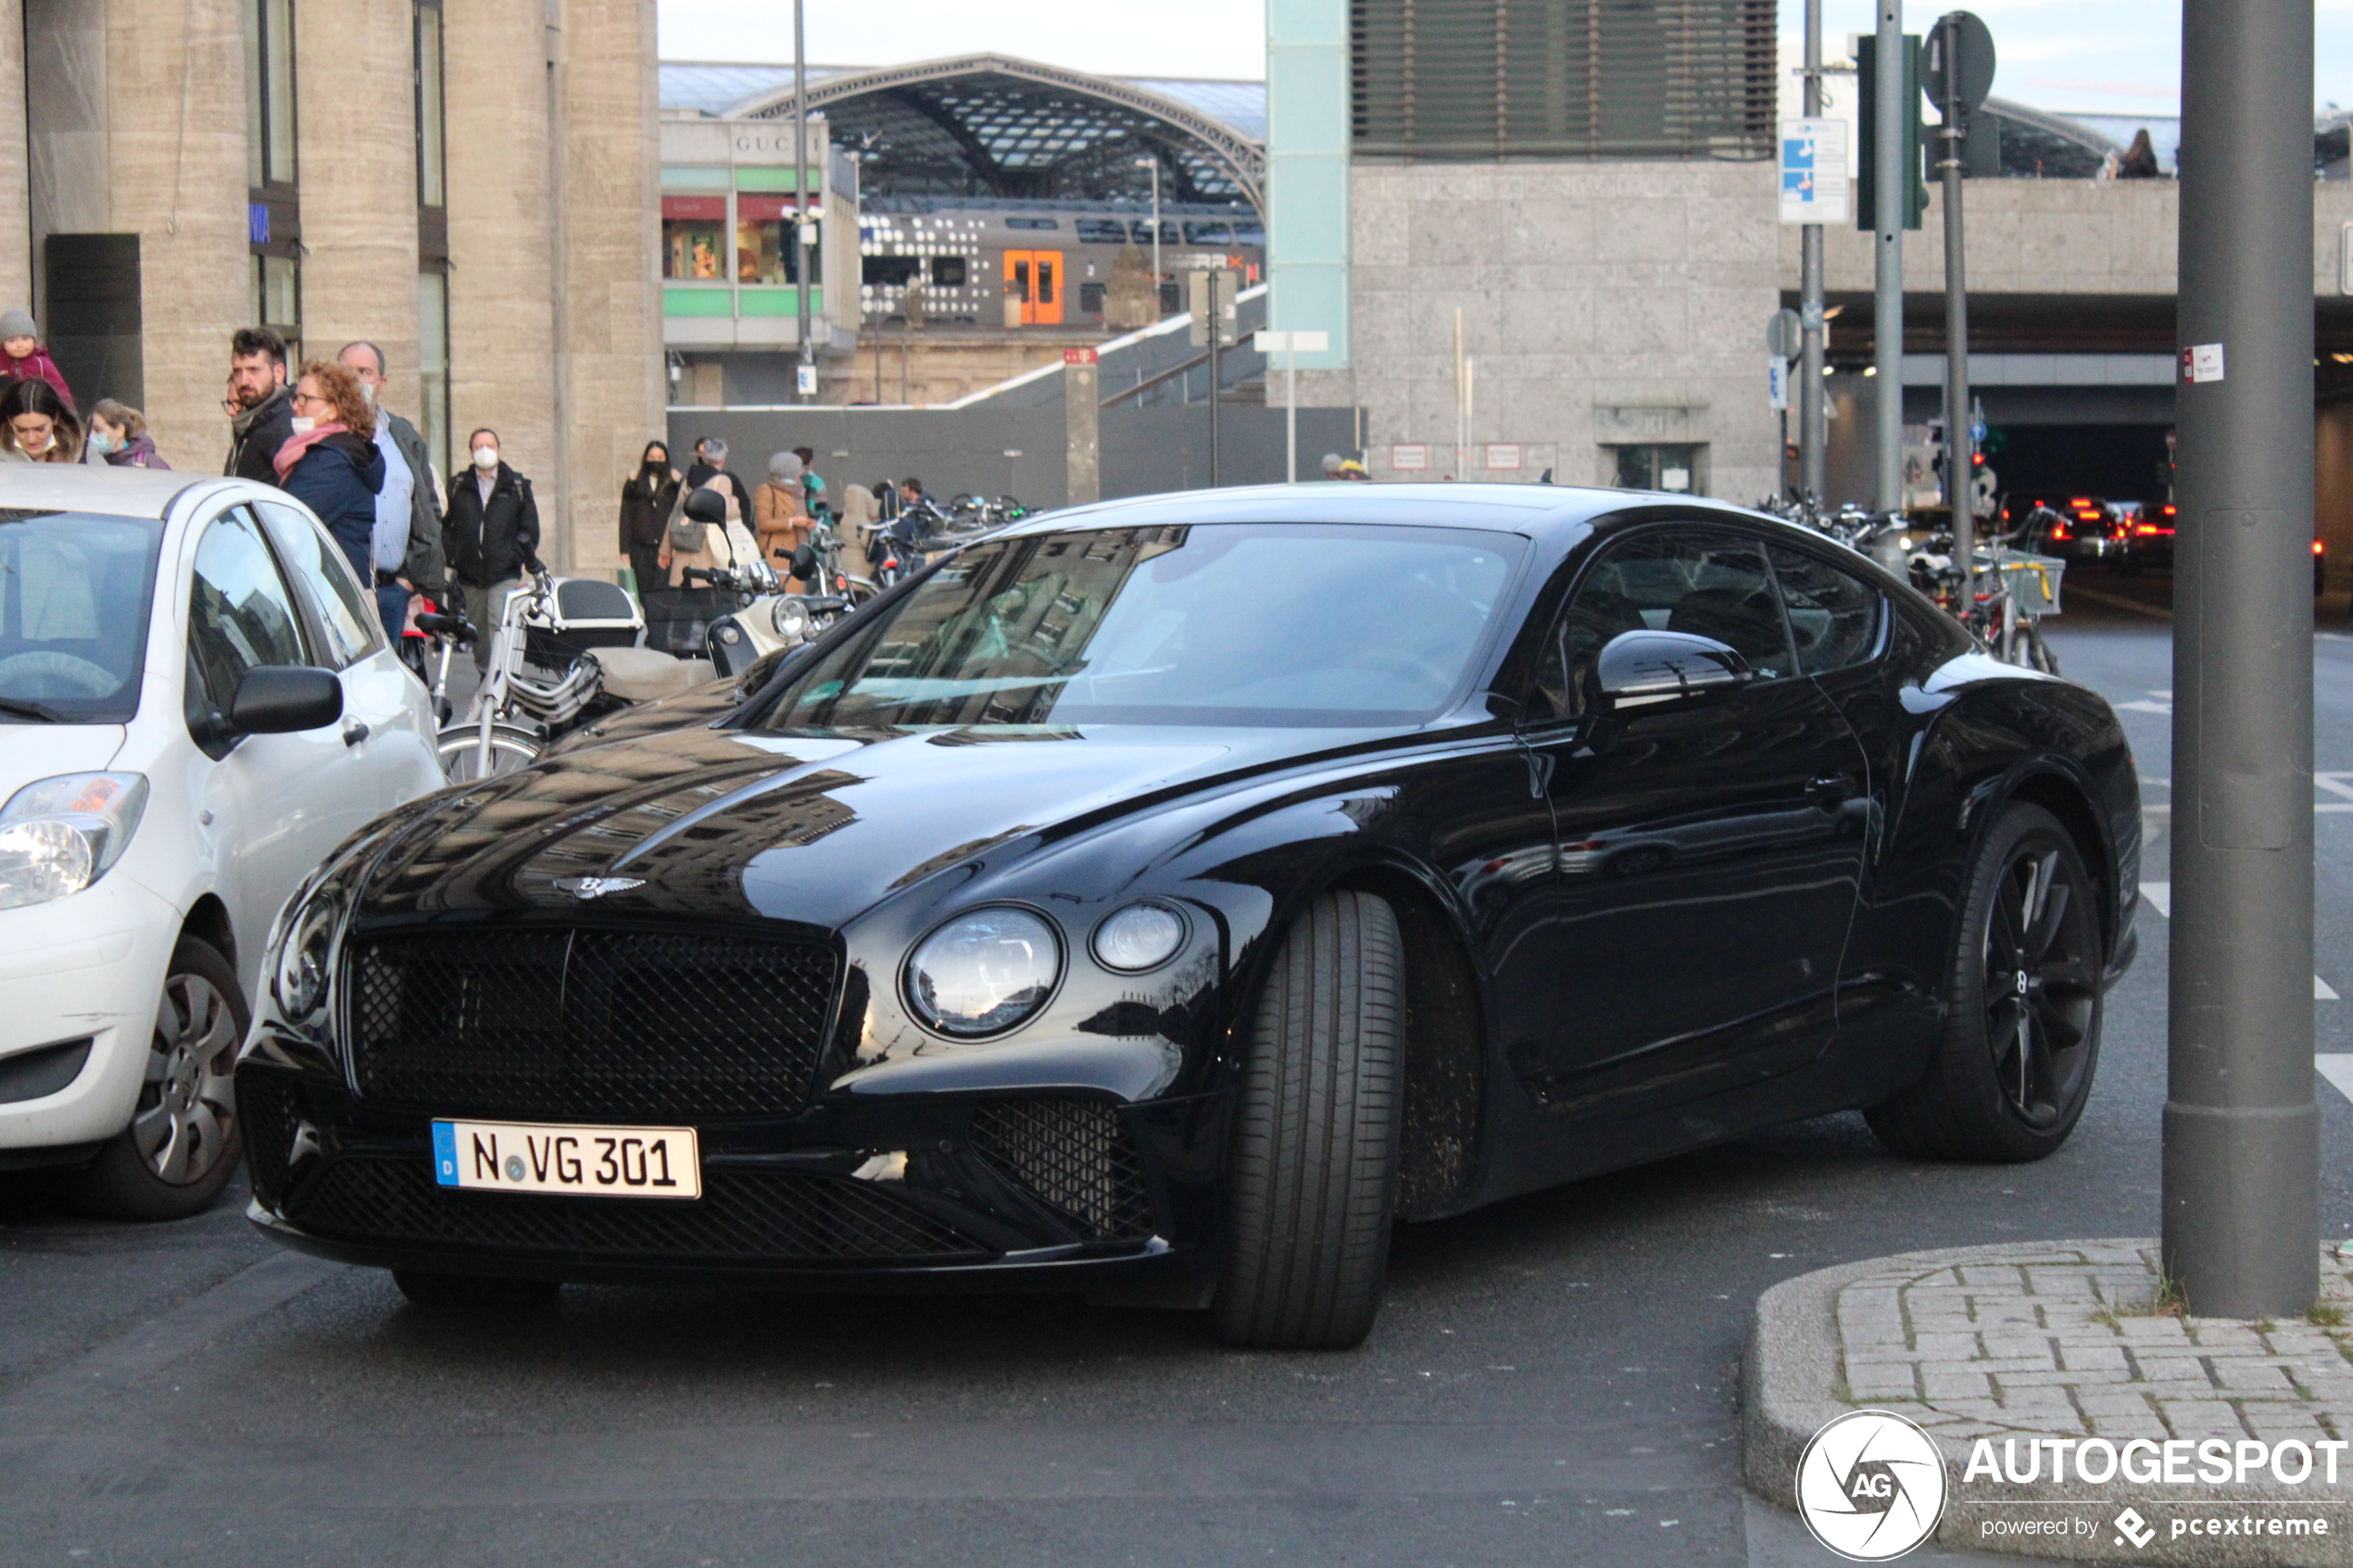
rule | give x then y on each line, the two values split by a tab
1887	198
1961	440
2242	1132
1812	429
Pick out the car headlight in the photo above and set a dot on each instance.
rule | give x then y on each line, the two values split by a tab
1139	937
984	972
300	969
59	836
790	618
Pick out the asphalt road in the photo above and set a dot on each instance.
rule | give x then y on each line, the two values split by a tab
1552	1380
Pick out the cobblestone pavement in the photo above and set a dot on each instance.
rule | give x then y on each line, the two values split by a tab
2063	1339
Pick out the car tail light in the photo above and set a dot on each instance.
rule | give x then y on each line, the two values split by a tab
2319	549
2081	501
2062	532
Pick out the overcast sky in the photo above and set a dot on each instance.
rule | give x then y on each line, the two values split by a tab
2112	57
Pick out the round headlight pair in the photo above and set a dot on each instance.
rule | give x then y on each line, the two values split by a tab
987	969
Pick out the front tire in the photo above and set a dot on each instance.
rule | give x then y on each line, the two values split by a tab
180	1149
1312	1170
2021	1032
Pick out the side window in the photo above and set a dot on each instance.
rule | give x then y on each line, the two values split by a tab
350	620
1834	617
1710	583
239	614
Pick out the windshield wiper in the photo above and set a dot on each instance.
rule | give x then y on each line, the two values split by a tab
40	711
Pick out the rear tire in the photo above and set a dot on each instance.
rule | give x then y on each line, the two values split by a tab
1313	1170
177	1155
475	1295
2021	1033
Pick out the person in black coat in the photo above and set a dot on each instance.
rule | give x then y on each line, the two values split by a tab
330	462
489	537
646	497
260	410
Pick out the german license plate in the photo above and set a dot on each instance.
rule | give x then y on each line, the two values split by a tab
581	1161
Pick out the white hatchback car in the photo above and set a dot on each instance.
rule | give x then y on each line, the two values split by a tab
197	704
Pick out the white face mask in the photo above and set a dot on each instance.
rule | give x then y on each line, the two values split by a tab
485	457
303	424
101	442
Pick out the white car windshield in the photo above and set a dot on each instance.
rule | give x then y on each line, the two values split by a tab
74	591
1217	623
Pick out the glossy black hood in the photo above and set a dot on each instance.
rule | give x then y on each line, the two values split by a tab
802	828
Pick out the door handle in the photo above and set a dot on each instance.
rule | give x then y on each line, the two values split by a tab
353	732
1830	791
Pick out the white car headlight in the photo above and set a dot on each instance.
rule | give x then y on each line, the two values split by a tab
59	836
790	618
984	972
1139	937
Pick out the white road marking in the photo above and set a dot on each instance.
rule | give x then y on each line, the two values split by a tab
2338	1070
2160	896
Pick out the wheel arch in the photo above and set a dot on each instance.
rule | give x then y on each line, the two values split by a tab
2067	799
1439	1146
209	922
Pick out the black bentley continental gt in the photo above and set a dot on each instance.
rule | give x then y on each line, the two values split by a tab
1160	898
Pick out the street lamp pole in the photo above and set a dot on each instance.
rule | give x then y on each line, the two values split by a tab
803	378
1890	194
1812	429
1154	164
2242	1132
1960	439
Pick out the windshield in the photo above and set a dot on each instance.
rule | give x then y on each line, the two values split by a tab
1225	624
73	615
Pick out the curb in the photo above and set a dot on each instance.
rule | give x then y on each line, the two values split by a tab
1793	1370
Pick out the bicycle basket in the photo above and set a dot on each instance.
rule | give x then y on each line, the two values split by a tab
2034	580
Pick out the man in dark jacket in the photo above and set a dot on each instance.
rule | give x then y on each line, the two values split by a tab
261	407
408	542
489	536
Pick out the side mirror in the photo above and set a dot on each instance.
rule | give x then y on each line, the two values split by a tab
804	562
706	505
276	699
1649	669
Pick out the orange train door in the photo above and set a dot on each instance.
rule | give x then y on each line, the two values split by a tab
1034	276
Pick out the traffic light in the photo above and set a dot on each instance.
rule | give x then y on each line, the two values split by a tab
1866	125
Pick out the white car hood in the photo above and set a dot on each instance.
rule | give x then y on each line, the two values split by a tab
41	751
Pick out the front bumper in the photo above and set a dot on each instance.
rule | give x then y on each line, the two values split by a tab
971	1190
89	967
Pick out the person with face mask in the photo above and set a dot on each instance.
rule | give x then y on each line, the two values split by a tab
331	463
406	552
36	426
118	437
261	407
780	509
489	536
647	496
23	357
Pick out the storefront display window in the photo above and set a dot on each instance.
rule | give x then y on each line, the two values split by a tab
693	238
764	250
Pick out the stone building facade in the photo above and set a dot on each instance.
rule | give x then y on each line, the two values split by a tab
471	184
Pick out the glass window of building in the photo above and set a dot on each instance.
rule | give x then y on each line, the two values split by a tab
765	252
693	236
432	365
277	299
431	162
269	92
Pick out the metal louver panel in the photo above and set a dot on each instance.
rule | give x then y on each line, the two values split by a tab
1474	80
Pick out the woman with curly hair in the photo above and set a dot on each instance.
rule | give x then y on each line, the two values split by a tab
36	426
331	463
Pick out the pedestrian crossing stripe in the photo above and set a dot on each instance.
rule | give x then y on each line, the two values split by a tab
2160	896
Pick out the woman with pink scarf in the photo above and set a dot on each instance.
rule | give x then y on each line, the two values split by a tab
331	463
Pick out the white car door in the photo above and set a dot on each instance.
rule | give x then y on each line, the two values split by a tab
278	803
388	716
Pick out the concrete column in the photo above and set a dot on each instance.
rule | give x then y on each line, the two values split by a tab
501	238
174	174
609	315
356	117
1082	426
16	197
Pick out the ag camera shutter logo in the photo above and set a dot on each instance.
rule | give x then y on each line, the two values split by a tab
1870	1486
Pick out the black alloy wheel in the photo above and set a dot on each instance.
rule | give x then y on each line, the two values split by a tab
2021	1036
